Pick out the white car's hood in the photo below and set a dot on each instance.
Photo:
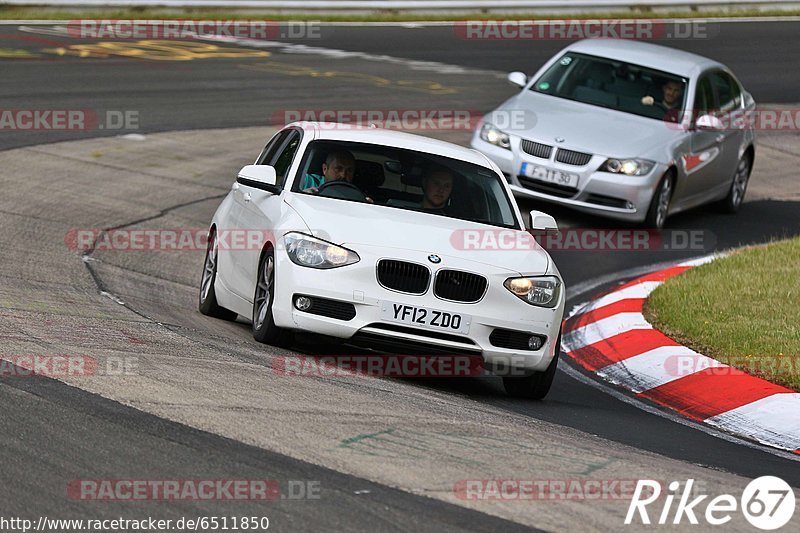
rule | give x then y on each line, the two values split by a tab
351	224
588	128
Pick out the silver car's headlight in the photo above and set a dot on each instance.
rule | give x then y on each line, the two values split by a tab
543	291
629	167
494	136
308	251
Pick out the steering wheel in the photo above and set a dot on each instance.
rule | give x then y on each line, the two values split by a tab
342	189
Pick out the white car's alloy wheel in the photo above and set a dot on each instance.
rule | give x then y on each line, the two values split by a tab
207	303
264	328
263	297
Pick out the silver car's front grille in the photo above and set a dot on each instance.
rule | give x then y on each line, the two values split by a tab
569	157
536	149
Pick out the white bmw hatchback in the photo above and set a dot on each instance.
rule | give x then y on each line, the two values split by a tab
388	253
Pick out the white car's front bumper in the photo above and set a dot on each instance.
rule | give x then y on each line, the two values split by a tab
358	286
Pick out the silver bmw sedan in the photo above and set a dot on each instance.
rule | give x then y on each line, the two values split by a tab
625	129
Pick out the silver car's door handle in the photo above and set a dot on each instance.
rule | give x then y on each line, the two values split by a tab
720	137
247	197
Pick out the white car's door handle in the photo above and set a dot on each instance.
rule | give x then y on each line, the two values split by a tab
247	197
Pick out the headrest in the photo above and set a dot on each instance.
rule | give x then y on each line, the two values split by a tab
412	178
368	174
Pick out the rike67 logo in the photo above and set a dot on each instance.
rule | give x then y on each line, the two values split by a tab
767	503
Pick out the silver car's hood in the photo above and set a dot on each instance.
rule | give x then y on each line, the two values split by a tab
589	128
351	224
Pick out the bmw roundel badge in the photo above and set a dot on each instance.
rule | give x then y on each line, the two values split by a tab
435	259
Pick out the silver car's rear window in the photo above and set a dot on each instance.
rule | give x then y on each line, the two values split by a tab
615	85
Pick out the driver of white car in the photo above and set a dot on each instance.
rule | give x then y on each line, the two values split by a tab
338	165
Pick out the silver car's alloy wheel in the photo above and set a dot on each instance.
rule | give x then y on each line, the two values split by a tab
662	208
740	181
266	279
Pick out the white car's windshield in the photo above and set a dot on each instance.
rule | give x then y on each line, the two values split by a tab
405	179
615	85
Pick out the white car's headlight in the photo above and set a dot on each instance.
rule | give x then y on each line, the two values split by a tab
308	251
543	291
494	136
629	167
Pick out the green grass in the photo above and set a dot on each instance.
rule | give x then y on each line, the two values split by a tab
50	13
743	310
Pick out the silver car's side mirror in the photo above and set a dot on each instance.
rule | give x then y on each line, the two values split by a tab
517	78
540	221
259	176
709	123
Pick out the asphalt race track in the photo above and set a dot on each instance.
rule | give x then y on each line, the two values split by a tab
202	401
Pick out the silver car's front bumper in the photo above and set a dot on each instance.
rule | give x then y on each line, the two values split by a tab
611	195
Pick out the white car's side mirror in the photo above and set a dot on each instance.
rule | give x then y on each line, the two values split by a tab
517	78
709	123
542	221
258	176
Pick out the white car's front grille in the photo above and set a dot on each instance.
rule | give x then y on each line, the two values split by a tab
459	286
403	276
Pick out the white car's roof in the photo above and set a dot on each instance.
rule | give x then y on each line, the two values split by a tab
647	55
369	135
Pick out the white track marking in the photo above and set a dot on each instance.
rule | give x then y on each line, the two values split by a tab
656	367
604	329
774	420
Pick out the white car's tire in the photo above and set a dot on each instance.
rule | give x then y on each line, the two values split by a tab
207	301
264	328
537	385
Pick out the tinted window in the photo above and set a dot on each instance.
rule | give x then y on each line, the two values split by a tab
728	92
396	178
704	101
268	153
284	159
616	85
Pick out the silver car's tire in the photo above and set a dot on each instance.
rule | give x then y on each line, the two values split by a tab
741	178
659	205
264	328
207	301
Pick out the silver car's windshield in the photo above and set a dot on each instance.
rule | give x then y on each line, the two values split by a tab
405	179
615	85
